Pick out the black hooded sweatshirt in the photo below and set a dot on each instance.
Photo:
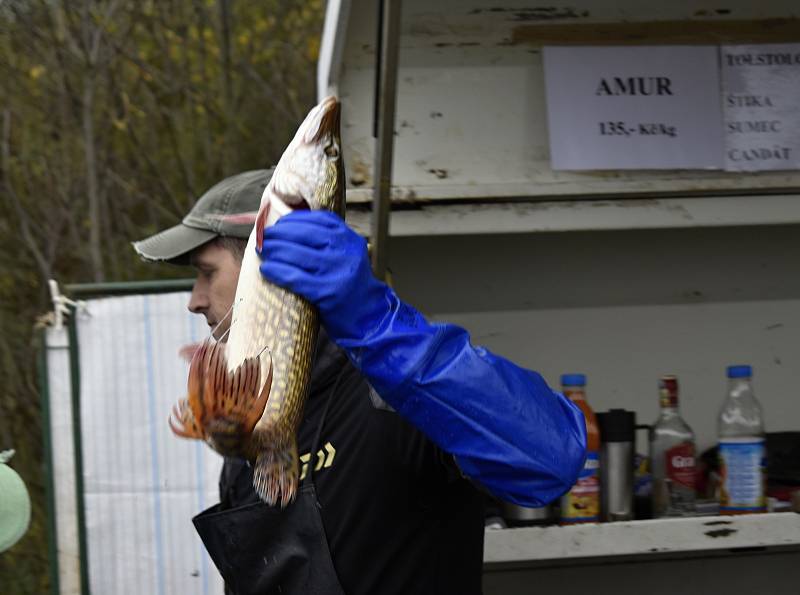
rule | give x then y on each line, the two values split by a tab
398	515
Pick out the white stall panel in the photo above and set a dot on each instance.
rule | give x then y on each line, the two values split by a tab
471	111
141	483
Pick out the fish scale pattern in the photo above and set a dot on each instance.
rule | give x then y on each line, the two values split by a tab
267	317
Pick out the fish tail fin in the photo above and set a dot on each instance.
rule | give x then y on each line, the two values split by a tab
221	406
276	474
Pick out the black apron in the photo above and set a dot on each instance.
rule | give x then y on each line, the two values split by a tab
266	550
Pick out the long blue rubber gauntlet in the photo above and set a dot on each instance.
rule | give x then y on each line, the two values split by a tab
507	429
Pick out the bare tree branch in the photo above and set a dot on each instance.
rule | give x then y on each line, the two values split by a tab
22	216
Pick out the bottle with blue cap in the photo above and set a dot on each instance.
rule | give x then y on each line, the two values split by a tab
581	504
742	448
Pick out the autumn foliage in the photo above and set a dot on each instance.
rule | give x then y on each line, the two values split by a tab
114	116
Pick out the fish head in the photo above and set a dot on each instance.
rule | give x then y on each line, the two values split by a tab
310	173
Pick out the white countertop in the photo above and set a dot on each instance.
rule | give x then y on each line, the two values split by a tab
555	545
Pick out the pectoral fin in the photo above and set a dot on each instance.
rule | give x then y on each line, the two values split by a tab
222	407
237	218
261	221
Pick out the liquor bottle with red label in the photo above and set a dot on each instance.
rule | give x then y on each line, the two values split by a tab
672	456
581	504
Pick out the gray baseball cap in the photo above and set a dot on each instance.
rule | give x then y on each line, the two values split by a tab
207	220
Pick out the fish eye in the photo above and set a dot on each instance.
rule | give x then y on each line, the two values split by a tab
332	151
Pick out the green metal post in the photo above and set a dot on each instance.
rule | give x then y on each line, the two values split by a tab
75	377
50	492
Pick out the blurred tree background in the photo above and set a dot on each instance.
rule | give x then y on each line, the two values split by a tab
115	115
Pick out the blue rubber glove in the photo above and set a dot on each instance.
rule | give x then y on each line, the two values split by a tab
507	429
316	255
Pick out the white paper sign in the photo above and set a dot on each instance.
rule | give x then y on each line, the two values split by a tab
761	99
648	107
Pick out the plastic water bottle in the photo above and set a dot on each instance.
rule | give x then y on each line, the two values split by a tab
742	448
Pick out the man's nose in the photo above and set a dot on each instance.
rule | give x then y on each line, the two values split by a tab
198	301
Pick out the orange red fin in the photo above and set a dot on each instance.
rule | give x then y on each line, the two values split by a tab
261	221
238	218
187	351
221	407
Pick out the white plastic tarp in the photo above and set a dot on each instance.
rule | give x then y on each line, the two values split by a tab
141	483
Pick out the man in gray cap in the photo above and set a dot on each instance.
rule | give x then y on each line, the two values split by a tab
213	242
395	508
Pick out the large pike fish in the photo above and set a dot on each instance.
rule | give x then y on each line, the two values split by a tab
246	396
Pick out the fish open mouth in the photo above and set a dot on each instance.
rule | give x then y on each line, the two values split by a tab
284	203
301	205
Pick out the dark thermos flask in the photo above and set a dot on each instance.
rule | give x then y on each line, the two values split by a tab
617	446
